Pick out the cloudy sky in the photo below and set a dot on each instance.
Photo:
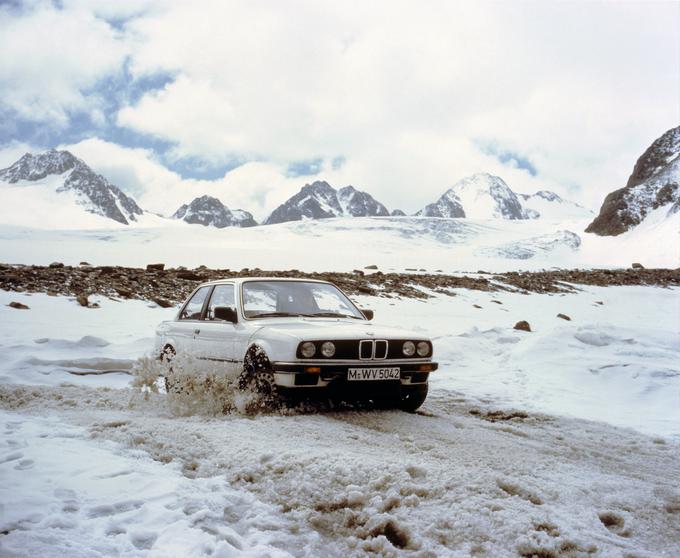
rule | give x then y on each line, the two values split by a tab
250	100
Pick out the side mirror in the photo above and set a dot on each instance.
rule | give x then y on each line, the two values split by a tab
368	314
226	314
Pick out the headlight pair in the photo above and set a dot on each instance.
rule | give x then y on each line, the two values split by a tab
308	349
409	348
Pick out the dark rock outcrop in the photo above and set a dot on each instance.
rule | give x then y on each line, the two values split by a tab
209	211
653	184
320	200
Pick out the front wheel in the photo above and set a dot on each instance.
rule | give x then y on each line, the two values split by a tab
257	373
412	397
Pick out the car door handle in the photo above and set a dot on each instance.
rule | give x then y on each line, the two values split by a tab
197	331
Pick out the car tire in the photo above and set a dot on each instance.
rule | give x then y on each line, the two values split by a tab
166	358
257	373
412	397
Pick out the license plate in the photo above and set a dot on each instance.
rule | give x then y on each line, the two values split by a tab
357	374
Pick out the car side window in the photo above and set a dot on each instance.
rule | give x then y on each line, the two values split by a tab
222	295
193	308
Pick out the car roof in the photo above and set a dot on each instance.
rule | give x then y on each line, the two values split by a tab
239	280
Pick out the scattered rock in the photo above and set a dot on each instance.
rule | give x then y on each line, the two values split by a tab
125	293
163	303
174	285
523	326
599	302
372	266
155	267
18	305
476	305
496	302
56	265
564	317
82	300
189	275
85	263
637	265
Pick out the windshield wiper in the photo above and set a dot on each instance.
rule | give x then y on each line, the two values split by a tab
330	315
277	315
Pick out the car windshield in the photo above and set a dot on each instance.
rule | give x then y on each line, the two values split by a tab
268	299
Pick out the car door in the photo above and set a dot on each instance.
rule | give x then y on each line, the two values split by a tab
188	323
215	340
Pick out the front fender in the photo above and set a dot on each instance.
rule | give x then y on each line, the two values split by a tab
276	345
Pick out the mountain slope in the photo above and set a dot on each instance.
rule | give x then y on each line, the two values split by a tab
320	200
480	196
545	204
209	211
653	185
73	182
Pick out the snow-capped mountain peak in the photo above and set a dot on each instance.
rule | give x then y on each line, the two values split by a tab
69	181
320	200
36	167
355	203
209	211
480	196
549	205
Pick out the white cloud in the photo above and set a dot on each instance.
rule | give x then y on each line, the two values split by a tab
406	92
51	57
403	90
255	187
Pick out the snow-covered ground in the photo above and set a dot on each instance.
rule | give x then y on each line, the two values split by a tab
343	244
501	461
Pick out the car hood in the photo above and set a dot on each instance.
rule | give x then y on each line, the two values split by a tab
318	329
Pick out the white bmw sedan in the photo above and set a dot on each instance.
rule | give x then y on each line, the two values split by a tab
289	335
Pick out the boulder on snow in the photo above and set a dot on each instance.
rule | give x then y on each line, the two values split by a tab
372	266
637	265
162	302
18	306
523	325
82	300
564	317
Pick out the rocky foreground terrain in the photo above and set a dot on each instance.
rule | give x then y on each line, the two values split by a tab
167	287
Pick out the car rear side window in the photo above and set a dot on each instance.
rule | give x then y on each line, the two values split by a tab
222	295
193	309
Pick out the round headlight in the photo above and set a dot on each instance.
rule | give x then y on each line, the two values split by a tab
328	349
409	348
423	349
308	349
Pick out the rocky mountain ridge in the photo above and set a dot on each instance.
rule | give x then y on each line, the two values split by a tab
319	200
653	185
480	196
93	192
209	211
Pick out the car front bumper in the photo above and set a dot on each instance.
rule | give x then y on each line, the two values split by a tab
315	374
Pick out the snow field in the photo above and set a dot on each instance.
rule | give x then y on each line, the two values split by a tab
457	480
499	462
617	360
343	244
